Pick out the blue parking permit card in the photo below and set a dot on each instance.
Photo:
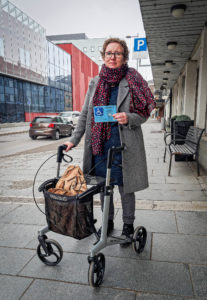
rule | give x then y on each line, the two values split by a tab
104	113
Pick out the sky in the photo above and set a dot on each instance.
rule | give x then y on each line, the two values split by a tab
95	18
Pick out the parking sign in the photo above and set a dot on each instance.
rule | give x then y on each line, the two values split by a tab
140	44
140	48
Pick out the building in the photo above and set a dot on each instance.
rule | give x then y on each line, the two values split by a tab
35	74
90	46
83	70
177	44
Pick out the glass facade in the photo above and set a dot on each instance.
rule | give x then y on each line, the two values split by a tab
18	96
35	74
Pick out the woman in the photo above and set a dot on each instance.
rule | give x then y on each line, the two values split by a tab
124	87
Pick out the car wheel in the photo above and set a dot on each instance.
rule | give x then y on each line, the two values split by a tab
33	137
56	136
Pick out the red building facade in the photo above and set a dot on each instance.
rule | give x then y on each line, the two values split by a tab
83	70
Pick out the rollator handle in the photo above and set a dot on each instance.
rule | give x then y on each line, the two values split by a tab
118	149
111	154
60	153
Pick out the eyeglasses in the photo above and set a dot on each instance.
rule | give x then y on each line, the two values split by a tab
110	54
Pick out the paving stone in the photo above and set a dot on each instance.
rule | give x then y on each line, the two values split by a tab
180	205
153	221
11	287
199	277
13	260
180	171
157	179
148	276
7	208
42	289
178	195
141	296
157	277
17	235
179	248
27	214
73	268
192	222
184	179
175	187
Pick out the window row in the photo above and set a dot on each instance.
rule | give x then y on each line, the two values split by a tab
91	49
32	97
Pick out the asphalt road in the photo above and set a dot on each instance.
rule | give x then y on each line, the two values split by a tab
20	143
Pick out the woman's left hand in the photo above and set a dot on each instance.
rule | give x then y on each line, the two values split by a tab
122	118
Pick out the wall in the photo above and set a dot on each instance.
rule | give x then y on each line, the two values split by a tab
83	70
199	60
190	89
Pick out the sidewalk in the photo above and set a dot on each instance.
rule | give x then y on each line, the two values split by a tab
13	128
173	210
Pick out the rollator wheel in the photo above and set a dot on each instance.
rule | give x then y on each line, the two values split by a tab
139	239
96	270
54	255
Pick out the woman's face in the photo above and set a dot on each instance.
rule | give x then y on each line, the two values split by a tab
113	57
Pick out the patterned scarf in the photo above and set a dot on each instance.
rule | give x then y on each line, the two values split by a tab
141	102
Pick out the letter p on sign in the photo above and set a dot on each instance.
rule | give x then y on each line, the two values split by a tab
140	44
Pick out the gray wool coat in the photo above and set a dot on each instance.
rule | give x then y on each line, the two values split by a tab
133	158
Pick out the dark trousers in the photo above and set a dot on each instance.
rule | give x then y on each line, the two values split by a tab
128	206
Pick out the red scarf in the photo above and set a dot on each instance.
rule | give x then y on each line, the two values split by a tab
141	102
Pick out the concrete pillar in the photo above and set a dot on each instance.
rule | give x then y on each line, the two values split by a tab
174	99
180	95
202	84
190	89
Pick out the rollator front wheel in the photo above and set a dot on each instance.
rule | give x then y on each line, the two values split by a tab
139	239
96	270
50	252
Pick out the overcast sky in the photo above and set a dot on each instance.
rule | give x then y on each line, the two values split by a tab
96	18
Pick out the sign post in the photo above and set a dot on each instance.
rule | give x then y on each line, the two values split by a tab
140	49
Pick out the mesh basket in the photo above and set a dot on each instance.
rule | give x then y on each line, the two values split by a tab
69	215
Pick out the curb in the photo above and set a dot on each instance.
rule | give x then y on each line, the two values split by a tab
10	133
140	204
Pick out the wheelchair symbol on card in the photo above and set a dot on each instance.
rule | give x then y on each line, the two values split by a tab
99	111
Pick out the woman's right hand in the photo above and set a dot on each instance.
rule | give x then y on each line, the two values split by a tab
69	146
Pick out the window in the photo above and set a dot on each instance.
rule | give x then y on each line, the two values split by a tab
84	49
27	57
1	47
21	56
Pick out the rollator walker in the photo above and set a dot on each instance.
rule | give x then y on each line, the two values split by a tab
50	252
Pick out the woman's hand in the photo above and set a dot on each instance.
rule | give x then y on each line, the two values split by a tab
69	146
122	118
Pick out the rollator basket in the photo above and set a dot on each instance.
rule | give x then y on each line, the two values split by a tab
69	215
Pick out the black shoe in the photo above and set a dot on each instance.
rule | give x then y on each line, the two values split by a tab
128	230
109	229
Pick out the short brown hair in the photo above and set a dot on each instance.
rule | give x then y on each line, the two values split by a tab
120	42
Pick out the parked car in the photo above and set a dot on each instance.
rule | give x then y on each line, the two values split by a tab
70	116
52	126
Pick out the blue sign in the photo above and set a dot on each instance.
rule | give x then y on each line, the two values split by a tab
140	44
104	113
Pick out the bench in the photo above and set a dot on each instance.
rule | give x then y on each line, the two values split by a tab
189	147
